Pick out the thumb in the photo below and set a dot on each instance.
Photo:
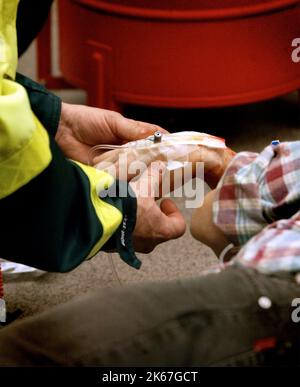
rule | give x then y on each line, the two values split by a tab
132	130
173	222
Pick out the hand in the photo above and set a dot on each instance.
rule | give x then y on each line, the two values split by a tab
215	163
83	127
155	224
121	160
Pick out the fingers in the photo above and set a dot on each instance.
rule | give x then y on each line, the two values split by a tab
169	208
129	162
156	224
73	149
148	185
131	130
173	223
110	156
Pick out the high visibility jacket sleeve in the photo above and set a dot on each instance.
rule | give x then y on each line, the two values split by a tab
44	104
51	215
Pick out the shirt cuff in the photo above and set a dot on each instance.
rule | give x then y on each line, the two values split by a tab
237	208
120	194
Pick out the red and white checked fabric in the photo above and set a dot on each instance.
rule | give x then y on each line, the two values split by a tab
257	206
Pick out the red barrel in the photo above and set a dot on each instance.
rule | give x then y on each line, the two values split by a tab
179	53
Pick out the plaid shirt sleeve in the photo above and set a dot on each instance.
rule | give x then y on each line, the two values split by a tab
257	205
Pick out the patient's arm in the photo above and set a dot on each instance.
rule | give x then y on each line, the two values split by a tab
204	229
254	192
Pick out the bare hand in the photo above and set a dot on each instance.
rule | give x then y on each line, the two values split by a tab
83	127
155	224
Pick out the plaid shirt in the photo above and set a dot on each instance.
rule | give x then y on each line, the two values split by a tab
257	206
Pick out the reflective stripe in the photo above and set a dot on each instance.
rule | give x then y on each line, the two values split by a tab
8	38
27	163
109	216
16	119
24	143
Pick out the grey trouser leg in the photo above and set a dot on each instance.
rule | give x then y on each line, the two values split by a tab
209	320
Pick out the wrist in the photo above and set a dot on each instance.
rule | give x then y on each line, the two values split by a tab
66	115
203	228
221	162
65	130
121	195
62	122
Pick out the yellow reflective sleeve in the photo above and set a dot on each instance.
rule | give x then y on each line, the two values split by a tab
8	39
24	143
109	216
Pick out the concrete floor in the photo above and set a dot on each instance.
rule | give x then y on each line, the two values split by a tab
249	127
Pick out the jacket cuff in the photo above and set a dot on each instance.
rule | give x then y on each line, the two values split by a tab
45	105
120	194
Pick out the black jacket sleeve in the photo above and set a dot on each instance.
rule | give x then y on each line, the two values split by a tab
54	222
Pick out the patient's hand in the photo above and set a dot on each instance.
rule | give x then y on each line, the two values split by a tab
215	162
203	228
178	148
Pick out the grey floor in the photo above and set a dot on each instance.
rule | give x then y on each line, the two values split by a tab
248	127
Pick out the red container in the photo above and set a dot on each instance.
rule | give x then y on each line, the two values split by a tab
179	53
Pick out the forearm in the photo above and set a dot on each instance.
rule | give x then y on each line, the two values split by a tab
56	221
203	228
220	220
255	191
